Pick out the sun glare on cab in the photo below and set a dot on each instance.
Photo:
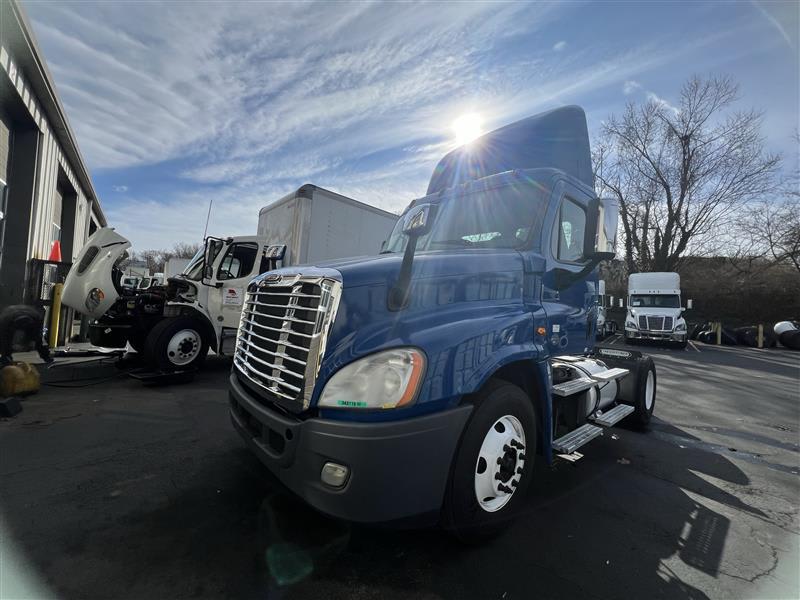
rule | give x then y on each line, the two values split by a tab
467	127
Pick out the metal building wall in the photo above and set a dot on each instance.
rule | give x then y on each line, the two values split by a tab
50	158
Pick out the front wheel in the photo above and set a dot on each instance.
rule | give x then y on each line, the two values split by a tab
176	343
494	463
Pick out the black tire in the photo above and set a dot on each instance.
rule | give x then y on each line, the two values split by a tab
630	341
643	410
157	351
682	345
462	513
791	339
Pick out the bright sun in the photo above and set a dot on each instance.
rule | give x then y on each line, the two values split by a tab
467	127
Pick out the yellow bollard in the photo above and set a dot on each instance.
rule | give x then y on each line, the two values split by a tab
760	335
55	314
719	333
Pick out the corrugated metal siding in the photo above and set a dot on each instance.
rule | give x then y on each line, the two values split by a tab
5	148
51	157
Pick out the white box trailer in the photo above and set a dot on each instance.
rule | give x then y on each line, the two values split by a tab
174	266
316	224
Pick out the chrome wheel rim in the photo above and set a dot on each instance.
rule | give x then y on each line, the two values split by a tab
500	464
183	347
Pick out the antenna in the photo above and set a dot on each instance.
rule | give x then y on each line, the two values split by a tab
208	216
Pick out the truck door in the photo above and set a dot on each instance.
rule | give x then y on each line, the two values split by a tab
240	262
568	301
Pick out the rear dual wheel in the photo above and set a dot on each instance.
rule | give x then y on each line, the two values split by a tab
494	463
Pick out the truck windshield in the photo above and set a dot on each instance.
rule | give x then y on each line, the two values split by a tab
194	270
500	217
656	300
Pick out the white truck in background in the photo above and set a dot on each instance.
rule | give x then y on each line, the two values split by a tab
654	309
605	326
199	309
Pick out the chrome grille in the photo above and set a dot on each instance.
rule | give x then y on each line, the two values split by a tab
282	334
655	323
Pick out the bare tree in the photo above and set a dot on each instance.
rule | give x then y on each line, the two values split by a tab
157	259
680	174
769	235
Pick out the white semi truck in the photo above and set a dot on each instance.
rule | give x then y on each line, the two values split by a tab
655	311
605	326
175	326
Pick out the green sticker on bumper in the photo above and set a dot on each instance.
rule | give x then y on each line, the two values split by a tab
353	403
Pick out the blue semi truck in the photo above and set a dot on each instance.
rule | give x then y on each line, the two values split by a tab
427	380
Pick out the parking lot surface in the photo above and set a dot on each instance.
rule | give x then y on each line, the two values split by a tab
112	489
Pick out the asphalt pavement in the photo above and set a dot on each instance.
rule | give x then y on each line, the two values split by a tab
111	489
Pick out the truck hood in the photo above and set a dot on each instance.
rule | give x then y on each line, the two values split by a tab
94	269
384	268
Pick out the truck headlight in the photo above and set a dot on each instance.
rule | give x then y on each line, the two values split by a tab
680	327
632	324
388	379
94	298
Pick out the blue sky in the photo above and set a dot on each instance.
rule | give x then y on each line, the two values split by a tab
177	103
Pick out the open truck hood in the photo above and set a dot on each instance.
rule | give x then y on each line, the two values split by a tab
93	269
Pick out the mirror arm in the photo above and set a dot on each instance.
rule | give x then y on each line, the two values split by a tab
565	278
399	293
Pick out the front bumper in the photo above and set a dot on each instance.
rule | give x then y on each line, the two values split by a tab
398	469
641	334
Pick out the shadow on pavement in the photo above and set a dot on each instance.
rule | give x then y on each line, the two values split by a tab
601	528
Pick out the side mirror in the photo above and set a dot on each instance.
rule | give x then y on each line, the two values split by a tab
600	238
276	252
418	221
689	304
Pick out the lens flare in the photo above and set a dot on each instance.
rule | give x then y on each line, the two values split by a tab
467	127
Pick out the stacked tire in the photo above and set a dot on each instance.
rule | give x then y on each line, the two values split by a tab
788	335
748	336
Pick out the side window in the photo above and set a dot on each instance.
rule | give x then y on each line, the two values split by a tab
569	231
238	261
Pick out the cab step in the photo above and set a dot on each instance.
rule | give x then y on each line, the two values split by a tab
613	416
610	374
573	386
567	444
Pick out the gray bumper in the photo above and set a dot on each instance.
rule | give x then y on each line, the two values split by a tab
398	469
639	334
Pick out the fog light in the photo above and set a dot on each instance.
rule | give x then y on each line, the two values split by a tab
334	475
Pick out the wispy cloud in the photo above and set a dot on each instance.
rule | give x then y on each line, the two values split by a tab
630	86
244	101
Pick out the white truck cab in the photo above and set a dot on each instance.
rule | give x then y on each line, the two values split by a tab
174	324
605	326
655	311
